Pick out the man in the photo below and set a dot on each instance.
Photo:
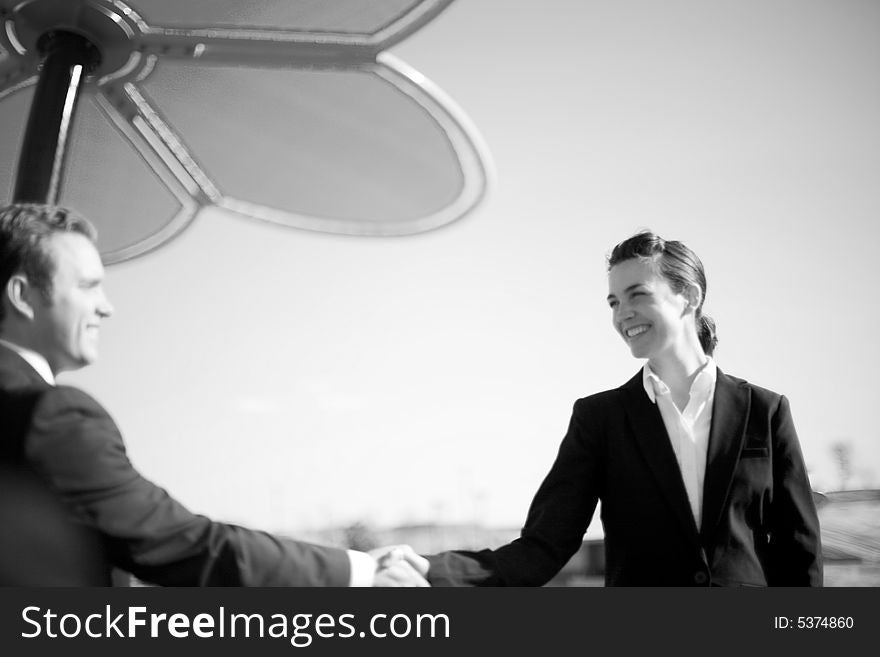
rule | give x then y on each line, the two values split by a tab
51	311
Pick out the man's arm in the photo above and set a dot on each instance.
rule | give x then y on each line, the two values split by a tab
795	550
75	445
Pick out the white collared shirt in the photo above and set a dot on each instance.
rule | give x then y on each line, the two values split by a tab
363	568
689	430
35	360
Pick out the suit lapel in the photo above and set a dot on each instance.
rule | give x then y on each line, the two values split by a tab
653	441
730	413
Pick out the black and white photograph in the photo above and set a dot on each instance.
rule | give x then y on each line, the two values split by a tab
431	293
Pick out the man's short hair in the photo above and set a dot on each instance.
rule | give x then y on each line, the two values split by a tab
24	229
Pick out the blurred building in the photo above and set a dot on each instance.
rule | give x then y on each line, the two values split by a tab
849	520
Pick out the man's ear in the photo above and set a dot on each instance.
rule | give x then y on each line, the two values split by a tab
19	295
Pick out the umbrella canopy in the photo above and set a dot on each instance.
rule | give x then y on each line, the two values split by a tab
287	111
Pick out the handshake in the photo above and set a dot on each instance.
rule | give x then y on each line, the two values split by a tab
399	565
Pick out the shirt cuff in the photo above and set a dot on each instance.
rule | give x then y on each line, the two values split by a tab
363	568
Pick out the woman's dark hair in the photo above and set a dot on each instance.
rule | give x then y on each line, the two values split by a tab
678	265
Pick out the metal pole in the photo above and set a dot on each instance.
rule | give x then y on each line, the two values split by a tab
67	59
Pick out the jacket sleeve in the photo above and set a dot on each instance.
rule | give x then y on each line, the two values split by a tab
794	544
555	525
75	445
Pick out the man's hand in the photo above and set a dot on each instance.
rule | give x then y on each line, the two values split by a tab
399	565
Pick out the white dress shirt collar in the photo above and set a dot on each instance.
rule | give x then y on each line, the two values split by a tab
703	383
35	360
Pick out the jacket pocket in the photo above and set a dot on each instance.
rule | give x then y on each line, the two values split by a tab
755	452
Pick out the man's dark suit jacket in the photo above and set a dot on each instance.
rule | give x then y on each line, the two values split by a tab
70	442
759	523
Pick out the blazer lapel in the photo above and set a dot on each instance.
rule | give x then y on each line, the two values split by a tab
730	413
653	441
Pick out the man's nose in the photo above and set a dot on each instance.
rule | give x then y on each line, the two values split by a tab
105	308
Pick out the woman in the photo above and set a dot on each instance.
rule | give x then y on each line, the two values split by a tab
700	474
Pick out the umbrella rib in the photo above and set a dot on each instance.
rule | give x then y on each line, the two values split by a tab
173	175
171	142
260	48
151	150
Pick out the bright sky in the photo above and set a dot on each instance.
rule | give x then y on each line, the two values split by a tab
290	380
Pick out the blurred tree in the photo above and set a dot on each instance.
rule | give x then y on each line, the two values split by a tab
359	536
842	453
